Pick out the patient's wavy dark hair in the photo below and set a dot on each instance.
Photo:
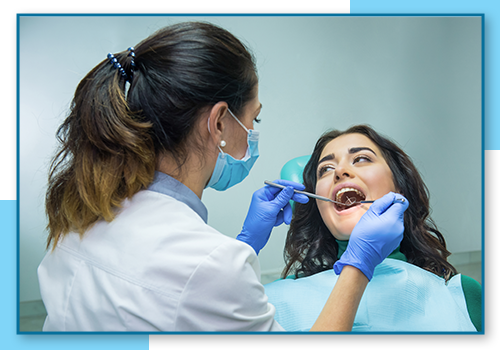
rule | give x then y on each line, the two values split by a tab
311	248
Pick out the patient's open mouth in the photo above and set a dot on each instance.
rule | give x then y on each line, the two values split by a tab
349	197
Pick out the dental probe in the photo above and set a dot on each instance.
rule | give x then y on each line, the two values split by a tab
321	197
305	193
312	195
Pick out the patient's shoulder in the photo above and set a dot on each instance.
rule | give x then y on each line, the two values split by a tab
473	297
472	289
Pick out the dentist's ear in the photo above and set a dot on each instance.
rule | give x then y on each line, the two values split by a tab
216	120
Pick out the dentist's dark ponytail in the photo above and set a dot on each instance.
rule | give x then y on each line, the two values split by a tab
122	120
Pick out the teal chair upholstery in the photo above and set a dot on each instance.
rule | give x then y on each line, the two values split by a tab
294	168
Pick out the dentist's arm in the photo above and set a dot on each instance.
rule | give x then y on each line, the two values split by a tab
342	304
375	236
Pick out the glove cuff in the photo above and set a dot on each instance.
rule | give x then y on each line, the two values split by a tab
339	265
247	238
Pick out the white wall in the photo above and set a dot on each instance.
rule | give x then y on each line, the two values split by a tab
415	79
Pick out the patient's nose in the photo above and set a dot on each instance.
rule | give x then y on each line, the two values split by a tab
342	172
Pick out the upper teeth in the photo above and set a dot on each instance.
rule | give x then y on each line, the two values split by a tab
347	189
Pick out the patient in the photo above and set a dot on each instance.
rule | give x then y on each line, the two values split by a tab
415	289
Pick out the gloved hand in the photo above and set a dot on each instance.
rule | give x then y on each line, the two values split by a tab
376	235
270	207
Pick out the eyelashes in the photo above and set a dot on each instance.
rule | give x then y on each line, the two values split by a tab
360	159
324	169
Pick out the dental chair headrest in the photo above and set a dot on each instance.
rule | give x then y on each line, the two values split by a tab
294	168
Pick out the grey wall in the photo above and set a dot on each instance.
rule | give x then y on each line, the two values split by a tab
415	79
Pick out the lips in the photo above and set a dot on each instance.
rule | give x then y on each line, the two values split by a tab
348	195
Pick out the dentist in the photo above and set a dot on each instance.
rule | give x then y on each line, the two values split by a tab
129	246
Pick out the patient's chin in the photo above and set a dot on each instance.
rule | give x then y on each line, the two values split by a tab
342	231
341	236
340	226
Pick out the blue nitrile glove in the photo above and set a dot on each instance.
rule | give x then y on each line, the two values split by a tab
376	235
270	207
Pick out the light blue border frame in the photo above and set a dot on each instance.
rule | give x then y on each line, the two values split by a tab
246	15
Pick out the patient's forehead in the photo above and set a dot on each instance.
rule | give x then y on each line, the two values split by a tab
343	143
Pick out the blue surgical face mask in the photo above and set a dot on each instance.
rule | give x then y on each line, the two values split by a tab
229	171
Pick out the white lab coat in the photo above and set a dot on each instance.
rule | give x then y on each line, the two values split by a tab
157	267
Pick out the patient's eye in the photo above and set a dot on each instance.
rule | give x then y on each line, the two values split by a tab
324	169
362	159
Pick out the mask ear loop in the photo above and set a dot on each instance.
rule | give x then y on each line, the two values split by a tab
243	126
222	143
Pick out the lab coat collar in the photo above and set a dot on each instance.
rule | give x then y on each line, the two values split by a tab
165	184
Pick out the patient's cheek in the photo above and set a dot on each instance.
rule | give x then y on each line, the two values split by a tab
322	189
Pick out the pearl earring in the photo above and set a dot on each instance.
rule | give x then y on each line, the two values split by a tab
223	143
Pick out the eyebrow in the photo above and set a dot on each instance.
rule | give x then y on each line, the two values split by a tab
359	149
350	150
327	158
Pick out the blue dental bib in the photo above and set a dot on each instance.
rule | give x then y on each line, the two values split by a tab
401	297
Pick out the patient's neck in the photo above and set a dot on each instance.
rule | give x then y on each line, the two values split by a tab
396	254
